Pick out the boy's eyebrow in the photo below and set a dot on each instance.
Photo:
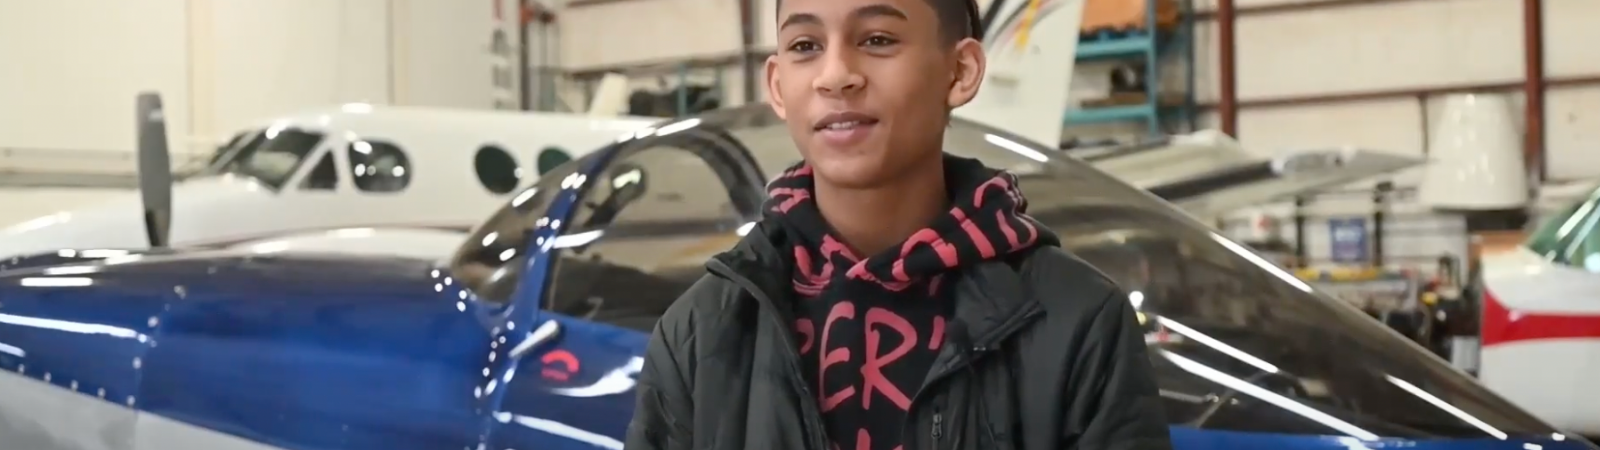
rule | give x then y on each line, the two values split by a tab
864	12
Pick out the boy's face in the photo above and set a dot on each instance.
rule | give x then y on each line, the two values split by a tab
866	85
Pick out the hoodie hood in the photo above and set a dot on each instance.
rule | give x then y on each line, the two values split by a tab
987	220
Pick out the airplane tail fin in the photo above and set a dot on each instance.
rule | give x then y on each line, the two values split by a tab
155	167
1032	46
611	98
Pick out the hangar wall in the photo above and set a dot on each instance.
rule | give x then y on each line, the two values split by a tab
222	63
1400	55
1392	45
219	64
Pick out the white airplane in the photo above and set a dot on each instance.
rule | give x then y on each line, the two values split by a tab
424	174
1540	325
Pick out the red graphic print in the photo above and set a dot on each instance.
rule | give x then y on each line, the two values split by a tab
872	371
842	310
874	326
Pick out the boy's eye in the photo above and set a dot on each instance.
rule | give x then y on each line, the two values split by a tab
878	41
803	47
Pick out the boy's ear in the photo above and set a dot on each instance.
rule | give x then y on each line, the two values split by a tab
968	76
774	95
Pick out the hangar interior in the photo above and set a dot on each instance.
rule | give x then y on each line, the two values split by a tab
1426	167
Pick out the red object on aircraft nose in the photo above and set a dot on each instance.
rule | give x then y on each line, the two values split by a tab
1504	326
565	358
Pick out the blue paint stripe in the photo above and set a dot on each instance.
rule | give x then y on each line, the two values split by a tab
1184	438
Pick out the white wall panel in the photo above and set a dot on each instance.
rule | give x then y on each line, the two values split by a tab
623	32
441	53
1389	124
281	56
1417	43
1385	46
1570	37
72	68
1572	132
75	65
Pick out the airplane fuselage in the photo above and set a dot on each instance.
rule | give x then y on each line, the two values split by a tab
320	171
1540	324
296	352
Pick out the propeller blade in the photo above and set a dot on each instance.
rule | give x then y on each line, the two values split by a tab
155	168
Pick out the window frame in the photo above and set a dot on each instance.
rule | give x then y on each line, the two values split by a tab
312	161
532	205
308	164
1577	245
257	139
350	177
734	168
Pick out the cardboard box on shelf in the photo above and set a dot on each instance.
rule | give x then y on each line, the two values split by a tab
1123	15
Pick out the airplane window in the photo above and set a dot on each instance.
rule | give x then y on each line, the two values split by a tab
1571	237
222	150
323	177
642	235
491	261
272	157
497	169
551	158
1237	343
379	166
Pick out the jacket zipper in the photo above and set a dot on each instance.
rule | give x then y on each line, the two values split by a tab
810	417
962	359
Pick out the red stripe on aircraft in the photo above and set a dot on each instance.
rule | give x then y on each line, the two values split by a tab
1505	326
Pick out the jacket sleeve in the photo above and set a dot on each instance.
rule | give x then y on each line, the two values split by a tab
664	412
1115	403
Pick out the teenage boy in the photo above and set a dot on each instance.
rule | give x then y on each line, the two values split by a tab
893	296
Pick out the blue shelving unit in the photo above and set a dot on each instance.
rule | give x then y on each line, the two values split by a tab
1153	46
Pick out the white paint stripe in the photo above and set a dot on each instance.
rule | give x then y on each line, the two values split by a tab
563	430
35	415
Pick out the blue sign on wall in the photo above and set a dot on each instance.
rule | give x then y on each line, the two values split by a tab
1348	239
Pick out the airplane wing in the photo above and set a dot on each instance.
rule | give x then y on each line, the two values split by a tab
1208	172
1169	160
1229	189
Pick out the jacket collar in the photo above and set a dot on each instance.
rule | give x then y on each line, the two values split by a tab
990	296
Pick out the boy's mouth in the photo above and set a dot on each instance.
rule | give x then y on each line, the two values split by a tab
845	129
844	121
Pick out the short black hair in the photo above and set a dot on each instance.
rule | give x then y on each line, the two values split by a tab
958	19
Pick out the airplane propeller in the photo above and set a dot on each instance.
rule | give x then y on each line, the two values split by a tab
155	168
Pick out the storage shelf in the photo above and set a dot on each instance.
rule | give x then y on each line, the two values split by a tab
1111	114
1149	49
1114	48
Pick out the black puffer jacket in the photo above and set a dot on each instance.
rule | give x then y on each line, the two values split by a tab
1047	355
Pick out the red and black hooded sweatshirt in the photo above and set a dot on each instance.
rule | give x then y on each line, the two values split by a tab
870	328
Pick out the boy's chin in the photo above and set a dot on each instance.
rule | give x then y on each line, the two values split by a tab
852	172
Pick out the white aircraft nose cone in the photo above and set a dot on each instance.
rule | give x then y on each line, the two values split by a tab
118	222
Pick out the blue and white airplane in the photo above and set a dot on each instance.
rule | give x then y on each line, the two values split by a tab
531	334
